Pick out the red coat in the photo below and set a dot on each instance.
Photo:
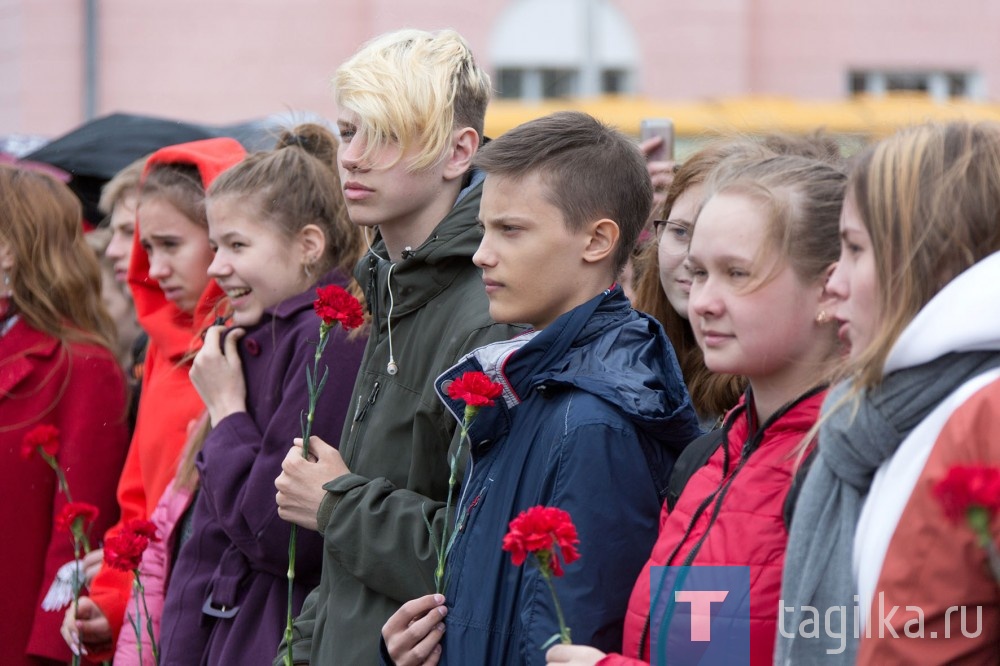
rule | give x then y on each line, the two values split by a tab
748	530
169	404
79	389
933	579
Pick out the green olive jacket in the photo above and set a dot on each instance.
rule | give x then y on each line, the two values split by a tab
378	552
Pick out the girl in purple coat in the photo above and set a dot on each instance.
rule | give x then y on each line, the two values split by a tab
279	229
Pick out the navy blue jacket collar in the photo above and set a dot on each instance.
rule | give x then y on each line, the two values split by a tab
603	347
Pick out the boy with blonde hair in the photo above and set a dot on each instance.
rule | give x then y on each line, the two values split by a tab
411	117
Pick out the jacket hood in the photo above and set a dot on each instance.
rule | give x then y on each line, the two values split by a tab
452	243
603	347
961	317
168	327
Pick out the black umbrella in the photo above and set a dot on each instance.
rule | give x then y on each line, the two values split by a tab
95	151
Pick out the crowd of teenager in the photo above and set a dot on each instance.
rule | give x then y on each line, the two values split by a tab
807	344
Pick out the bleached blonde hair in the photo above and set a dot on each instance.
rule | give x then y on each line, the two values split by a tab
413	88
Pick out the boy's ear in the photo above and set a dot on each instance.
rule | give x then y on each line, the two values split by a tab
464	144
602	240
312	243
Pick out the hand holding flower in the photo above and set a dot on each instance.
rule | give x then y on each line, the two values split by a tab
413	634
300	485
333	305
86	626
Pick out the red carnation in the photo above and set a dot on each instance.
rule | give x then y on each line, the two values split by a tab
73	511
123	550
45	437
334	304
475	389
538	531
143	528
968	487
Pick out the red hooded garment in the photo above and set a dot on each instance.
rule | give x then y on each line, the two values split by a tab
169	404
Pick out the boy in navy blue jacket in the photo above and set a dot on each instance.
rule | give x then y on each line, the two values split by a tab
593	414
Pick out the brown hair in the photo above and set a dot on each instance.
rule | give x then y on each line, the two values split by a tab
181	186
187	474
125	183
56	280
929	198
817	145
592	171
296	184
802	198
711	393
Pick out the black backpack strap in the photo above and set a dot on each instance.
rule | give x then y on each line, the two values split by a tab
788	509
694	457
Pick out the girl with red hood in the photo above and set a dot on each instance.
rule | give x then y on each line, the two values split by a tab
175	301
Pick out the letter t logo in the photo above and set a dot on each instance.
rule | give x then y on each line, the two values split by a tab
701	610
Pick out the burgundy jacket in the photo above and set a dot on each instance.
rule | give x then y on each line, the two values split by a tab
79	389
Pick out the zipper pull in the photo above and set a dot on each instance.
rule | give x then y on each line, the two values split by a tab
371	291
360	416
465	516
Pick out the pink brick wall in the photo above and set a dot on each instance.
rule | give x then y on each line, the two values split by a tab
222	61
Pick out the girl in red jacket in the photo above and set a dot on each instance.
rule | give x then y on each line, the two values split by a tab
762	247
663	284
175	300
56	369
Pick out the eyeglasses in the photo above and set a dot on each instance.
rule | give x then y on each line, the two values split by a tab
678	233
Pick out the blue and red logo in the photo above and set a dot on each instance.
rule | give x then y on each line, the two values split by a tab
700	615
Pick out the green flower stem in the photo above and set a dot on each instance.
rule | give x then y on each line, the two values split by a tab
76	594
291	583
442	551
563	629
445	547
60	475
314	393
979	520
137	620
149	621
